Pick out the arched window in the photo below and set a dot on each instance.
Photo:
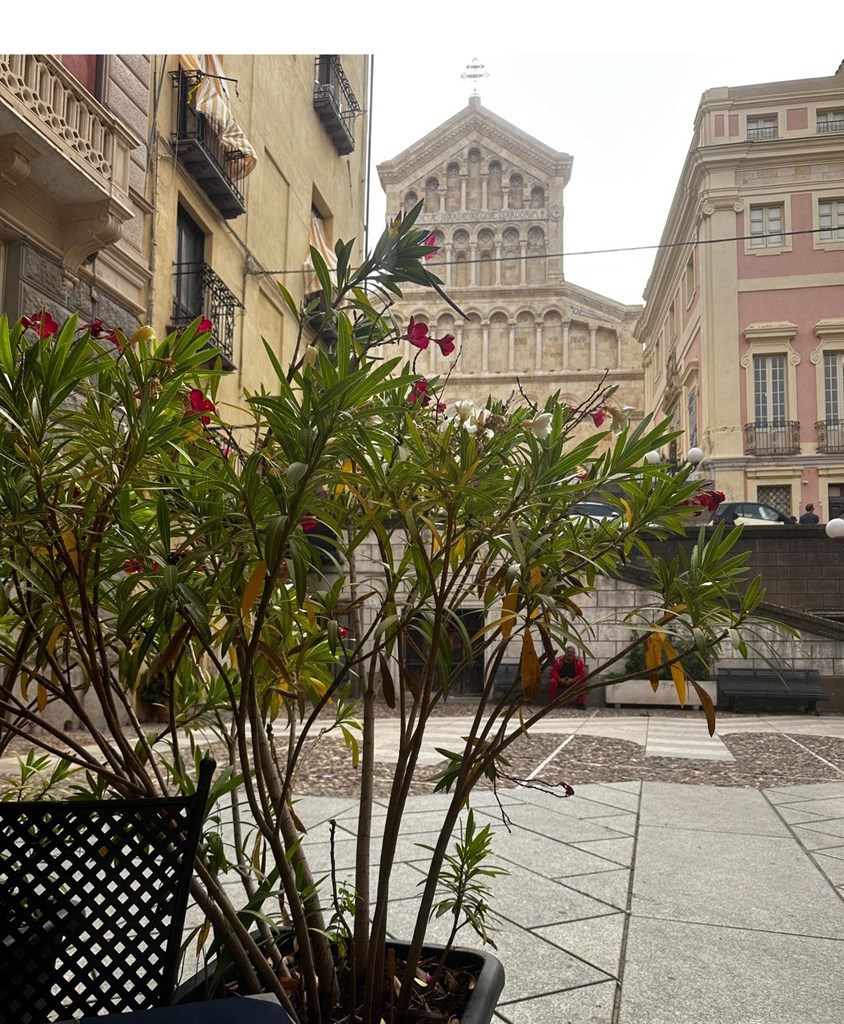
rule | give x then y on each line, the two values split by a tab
473	182
537	197
517	187
536	256
493	189
410	200
510	266
452	187
432	196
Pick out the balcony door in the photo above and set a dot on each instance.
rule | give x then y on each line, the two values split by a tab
187	271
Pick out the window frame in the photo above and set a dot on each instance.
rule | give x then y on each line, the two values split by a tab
766	202
830	334
827	244
773	339
763	129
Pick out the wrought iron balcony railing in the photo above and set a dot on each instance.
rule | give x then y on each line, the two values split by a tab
829	127
335	103
219	170
215	302
830	433
762	133
782	437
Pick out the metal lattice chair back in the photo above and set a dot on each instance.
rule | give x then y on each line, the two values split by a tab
93	896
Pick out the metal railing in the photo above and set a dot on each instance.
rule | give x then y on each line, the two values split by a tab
218	169
335	103
216	302
762	133
830	434
829	127
781	437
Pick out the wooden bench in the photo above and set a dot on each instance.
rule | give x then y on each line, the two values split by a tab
801	685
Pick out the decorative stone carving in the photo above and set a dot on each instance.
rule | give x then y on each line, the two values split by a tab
94	226
16	156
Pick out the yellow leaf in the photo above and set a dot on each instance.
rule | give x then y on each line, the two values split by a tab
459	546
42	696
508	608
253	588
530	670
707	705
677	673
54	636
567	601
535	577
256	852
437	541
318	685
672	612
202	938
24	686
653	657
348	467
311	610
628	511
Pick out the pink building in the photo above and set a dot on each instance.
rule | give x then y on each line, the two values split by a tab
743	329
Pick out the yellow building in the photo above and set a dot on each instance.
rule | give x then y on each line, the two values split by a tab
155	189
254	159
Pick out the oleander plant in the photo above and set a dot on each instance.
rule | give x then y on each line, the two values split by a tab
267	583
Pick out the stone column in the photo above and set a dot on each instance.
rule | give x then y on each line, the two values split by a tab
538	345
511	355
566	328
446	251
505	197
442	197
618	350
485	349
593	347
463	179
458	340
484	183
497	274
522	262
473	264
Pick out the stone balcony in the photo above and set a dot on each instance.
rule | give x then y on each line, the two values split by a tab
63	157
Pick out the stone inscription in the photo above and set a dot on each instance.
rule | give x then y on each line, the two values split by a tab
458	216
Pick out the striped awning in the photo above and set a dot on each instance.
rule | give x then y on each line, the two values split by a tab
211	97
323	247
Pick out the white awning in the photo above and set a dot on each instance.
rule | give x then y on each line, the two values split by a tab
211	97
323	247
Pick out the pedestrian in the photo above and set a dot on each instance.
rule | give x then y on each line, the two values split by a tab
566	671
809	517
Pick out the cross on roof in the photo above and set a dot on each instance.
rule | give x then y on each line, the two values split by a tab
474	70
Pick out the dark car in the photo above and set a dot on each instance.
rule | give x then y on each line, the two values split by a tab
749	513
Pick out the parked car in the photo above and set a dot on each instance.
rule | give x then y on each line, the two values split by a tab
596	510
749	513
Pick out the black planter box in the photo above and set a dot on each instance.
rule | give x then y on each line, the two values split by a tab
479	1009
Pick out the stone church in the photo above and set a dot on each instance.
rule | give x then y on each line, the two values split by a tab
493	198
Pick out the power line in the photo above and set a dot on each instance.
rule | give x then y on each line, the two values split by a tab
598	252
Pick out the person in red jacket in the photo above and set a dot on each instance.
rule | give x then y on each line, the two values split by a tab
566	671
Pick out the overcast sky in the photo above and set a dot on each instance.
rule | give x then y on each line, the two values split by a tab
627	120
620	95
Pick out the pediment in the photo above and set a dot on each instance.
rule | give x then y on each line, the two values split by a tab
498	138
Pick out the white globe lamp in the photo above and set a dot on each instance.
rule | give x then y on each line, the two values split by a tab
694	456
653	458
835	529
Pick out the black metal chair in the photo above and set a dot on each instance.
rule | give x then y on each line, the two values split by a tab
93	896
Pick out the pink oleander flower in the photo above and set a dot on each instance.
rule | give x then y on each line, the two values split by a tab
96	328
45	325
133	565
598	416
430	240
199	403
419	392
446	343
342	632
309	522
709	500
205	326
416	334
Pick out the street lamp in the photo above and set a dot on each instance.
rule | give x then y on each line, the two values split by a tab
653	458
835	529
694	456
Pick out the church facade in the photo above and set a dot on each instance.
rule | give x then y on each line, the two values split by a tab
493	199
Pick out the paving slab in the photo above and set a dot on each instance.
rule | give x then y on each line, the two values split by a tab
812	839
591	1004
732	880
597	940
610	887
709	808
678	972
618	851
811	791
539	822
